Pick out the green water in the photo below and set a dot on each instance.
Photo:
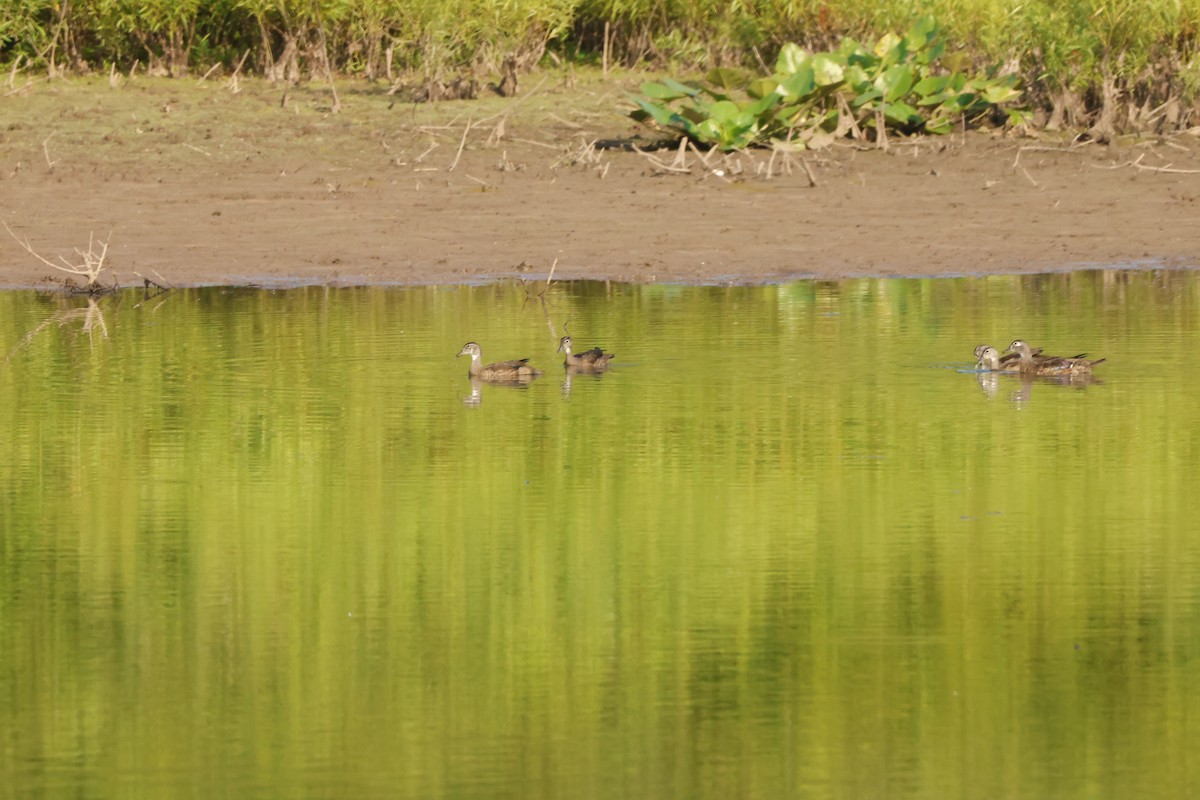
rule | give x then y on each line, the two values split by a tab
269	544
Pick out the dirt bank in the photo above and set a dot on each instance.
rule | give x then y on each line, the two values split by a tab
202	185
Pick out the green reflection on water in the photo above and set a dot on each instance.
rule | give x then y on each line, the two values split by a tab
262	543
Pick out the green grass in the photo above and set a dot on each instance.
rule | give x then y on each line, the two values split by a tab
1146	48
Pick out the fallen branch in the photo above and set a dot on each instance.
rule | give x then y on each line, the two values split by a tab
428	150
233	84
90	267
660	165
1073	148
46	151
1136	164
703	157
211	70
681	153
539	144
12	75
462	143
812	179
486	186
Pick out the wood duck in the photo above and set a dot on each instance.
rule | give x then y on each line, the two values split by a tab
1051	365
1004	359
1007	362
517	370
989	358
595	359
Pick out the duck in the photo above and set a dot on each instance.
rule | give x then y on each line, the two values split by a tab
516	370
1051	365
989	359
1003	359
594	359
1007	362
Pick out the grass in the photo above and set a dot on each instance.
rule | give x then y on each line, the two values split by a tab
1072	54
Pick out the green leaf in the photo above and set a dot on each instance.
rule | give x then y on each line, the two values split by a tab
939	125
866	97
660	114
868	62
659	91
935	99
826	71
895	82
799	85
960	102
760	107
727	77
788	115
902	113
1019	116
762	87
957	62
791	58
849	48
995	94
931	85
724	111
682	88
922	32
886	44
857	78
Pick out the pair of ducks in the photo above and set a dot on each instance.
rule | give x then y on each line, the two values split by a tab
594	360
1029	361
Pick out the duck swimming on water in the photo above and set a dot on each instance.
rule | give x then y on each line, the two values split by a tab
1050	365
594	359
516	370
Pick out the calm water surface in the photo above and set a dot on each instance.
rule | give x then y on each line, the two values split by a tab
273	544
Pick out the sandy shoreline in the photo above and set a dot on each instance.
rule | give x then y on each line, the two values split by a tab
205	188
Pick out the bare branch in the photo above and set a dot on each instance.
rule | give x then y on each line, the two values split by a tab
46	150
461	144
90	267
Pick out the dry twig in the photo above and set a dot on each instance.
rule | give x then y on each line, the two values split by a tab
211	70
1137	164
660	165
462	143
233	84
90	267
46	150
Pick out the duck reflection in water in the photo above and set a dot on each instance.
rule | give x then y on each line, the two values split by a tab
579	373
990	383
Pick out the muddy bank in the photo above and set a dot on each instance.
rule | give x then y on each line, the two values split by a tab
200	185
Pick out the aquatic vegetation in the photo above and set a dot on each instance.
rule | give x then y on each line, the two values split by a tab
898	83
